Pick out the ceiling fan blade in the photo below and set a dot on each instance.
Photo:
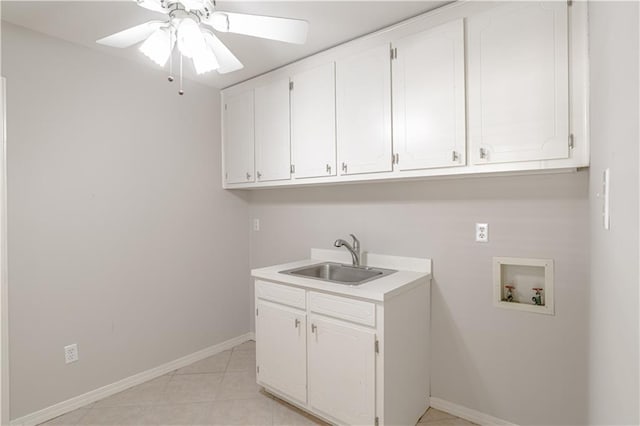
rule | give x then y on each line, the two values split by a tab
155	5
282	29
132	35
227	60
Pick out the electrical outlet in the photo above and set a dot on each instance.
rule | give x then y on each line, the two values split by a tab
256	224
71	353
482	232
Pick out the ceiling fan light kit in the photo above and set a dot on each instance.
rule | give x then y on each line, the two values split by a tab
158	46
184	29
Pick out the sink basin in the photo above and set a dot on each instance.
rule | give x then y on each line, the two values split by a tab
339	274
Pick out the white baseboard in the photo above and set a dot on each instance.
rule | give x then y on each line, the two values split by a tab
81	400
468	413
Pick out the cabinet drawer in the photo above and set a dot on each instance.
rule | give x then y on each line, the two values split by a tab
341	307
283	294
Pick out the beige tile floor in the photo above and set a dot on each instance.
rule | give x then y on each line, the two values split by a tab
219	390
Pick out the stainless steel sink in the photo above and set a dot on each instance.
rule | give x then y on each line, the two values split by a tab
339	274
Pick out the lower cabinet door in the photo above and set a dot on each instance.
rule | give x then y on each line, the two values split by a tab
281	343
342	370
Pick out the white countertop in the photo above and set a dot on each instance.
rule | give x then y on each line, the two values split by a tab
411	272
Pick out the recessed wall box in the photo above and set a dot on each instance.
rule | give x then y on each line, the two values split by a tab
523	284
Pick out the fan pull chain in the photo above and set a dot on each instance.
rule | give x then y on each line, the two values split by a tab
170	55
181	92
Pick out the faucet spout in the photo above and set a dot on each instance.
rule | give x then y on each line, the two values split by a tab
353	249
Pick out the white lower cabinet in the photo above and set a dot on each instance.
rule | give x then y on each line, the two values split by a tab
342	370
345	359
283	348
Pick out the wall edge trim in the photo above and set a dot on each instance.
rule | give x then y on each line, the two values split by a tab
469	414
76	402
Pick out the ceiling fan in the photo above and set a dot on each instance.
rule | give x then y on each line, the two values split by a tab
189	24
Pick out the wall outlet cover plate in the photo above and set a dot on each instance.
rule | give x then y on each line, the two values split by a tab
482	232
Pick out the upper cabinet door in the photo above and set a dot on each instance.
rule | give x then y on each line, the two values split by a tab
313	122
429	98
239	138
273	148
363	98
518	83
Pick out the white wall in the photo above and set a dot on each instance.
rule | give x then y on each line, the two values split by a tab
522	367
120	236
613	368
4	312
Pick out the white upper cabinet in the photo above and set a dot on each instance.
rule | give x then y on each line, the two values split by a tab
472	88
313	122
273	147
519	83
429	98
363	111
239	138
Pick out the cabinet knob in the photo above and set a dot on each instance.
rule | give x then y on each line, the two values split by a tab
344	167
328	169
454	156
483	153
248	176
297	323
313	328
259	175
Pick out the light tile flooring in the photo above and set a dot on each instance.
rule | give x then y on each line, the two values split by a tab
219	390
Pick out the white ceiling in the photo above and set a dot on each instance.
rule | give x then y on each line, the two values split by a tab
330	23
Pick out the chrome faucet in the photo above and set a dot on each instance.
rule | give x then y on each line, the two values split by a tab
353	249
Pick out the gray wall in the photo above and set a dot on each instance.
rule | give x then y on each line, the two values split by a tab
121	238
614	395
523	367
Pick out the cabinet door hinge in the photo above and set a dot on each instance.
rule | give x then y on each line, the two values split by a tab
257	369
291	85
293	168
377	346
394	53
226	176
377	421
256	311
571	142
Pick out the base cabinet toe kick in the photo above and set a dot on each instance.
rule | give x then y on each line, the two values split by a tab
347	360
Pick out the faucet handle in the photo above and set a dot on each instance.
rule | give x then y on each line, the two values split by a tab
356	243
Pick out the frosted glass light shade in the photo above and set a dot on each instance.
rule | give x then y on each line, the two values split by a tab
190	40
158	46
227	60
205	61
